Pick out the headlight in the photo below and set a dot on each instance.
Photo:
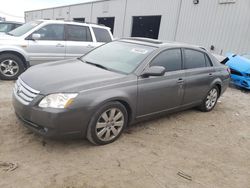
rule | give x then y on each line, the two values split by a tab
59	100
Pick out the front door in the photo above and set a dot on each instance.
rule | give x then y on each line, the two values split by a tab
158	94
50	46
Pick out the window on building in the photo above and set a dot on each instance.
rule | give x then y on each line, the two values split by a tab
146	26
107	21
170	59
80	20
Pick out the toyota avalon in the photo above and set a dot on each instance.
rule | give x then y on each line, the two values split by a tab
120	83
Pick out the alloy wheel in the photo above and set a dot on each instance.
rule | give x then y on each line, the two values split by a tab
211	98
9	68
110	124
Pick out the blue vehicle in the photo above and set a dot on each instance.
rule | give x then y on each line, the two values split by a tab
240	69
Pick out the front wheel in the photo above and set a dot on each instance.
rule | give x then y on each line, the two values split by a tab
107	124
210	100
11	66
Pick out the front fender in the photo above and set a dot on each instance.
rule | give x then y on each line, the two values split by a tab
15	49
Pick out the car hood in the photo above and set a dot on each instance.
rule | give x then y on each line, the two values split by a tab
239	63
68	76
4	36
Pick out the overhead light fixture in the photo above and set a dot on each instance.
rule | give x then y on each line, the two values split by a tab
196	2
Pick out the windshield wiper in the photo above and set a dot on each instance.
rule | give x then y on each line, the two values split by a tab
8	33
95	64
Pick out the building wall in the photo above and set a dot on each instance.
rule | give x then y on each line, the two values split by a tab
113	8
47	14
62	13
167	8
225	26
81	11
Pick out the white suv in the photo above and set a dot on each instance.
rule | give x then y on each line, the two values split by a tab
47	40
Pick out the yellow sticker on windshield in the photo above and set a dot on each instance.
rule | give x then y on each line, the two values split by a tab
139	50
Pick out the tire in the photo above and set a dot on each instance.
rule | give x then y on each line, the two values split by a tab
107	124
11	66
210	100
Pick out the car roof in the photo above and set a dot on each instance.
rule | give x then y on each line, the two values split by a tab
160	44
75	23
11	22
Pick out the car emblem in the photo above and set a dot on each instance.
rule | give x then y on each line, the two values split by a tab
19	90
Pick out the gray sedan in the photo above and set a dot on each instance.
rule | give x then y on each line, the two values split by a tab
120	83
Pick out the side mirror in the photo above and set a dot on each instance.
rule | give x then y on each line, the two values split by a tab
36	36
154	71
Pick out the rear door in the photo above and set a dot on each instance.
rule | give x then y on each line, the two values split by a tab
199	74
78	40
50	47
161	93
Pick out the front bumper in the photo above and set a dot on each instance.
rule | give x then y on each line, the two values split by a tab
52	123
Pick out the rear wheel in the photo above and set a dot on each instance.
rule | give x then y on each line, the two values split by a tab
107	124
210	100
11	66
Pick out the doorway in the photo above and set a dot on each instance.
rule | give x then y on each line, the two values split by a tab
107	21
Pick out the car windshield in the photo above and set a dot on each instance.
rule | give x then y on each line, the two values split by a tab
119	56
24	28
5	27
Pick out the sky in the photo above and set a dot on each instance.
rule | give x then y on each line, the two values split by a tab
13	10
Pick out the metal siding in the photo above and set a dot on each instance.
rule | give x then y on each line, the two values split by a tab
61	13
226	26
47	14
81	11
113	8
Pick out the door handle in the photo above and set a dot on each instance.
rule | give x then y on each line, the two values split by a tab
90	46
59	45
210	74
180	81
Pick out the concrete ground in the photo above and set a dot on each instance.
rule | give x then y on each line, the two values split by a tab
187	149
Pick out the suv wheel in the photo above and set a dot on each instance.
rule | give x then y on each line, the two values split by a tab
210	100
11	66
107	124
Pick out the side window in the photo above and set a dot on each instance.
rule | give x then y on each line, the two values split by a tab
208	61
52	32
170	59
194	59
102	35
78	33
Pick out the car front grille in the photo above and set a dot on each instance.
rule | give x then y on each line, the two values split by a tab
24	93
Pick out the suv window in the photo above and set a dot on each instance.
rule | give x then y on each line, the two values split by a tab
78	33
51	32
194	59
102	35
170	59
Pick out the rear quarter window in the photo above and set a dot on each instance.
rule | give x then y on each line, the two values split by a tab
102	35
194	59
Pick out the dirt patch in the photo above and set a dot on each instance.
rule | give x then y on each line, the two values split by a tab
211	149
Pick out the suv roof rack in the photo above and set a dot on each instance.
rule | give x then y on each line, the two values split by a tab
141	39
65	20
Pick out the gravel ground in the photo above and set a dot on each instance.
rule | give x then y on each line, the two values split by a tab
210	149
